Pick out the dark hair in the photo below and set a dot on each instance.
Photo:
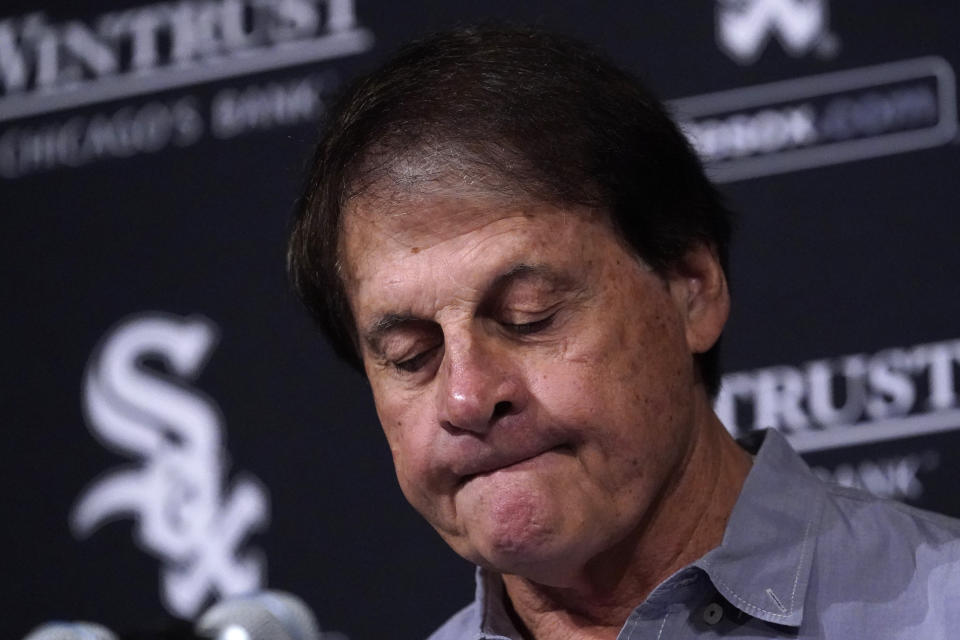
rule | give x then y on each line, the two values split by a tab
534	114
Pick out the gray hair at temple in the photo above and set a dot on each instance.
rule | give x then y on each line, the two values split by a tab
512	111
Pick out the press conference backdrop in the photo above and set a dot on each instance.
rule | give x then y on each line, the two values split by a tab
175	431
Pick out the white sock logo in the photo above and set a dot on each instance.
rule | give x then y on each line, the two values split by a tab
177	489
745	26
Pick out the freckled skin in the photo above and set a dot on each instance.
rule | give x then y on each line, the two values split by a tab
603	405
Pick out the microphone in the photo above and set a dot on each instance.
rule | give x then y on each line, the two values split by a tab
265	615
70	631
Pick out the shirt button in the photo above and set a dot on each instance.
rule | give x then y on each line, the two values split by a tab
712	613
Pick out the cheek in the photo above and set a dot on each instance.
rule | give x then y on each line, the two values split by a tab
397	420
622	385
408	432
639	358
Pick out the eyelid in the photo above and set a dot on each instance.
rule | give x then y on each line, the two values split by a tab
414	363
524	328
405	340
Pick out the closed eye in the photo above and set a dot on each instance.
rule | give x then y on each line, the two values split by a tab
417	362
527	328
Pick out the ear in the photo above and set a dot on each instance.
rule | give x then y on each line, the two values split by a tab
699	290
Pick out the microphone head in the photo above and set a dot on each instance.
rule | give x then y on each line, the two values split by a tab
265	615
70	631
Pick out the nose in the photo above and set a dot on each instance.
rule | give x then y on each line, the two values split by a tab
478	385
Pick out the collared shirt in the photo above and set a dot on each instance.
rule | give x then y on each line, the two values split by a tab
799	559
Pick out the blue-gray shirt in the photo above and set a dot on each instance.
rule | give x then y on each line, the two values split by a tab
799	559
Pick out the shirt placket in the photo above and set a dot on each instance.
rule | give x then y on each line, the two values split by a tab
666	613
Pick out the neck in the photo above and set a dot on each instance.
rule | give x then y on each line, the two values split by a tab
687	521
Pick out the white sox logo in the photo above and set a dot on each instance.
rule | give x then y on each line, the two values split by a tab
176	491
745	26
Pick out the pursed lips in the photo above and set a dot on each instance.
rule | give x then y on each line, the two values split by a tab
493	463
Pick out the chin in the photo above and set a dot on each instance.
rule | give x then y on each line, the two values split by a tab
550	565
522	522
537	549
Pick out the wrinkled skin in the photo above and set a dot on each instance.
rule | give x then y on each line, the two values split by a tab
534	378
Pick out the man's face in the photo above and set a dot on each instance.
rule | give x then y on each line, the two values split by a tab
534	379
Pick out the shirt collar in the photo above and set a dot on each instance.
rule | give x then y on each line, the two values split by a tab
762	567
495	623
763	564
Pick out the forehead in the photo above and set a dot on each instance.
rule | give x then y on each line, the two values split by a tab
381	231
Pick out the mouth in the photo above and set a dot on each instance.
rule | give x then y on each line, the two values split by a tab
513	464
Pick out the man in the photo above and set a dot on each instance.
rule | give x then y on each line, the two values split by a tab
520	250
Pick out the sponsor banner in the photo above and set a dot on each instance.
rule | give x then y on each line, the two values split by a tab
898	477
858	399
154	125
123	57
47	67
823	119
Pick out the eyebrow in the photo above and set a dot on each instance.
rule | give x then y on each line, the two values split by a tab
384	325
556	279
388	322
522	270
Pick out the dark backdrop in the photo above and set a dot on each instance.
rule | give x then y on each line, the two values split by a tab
150	155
